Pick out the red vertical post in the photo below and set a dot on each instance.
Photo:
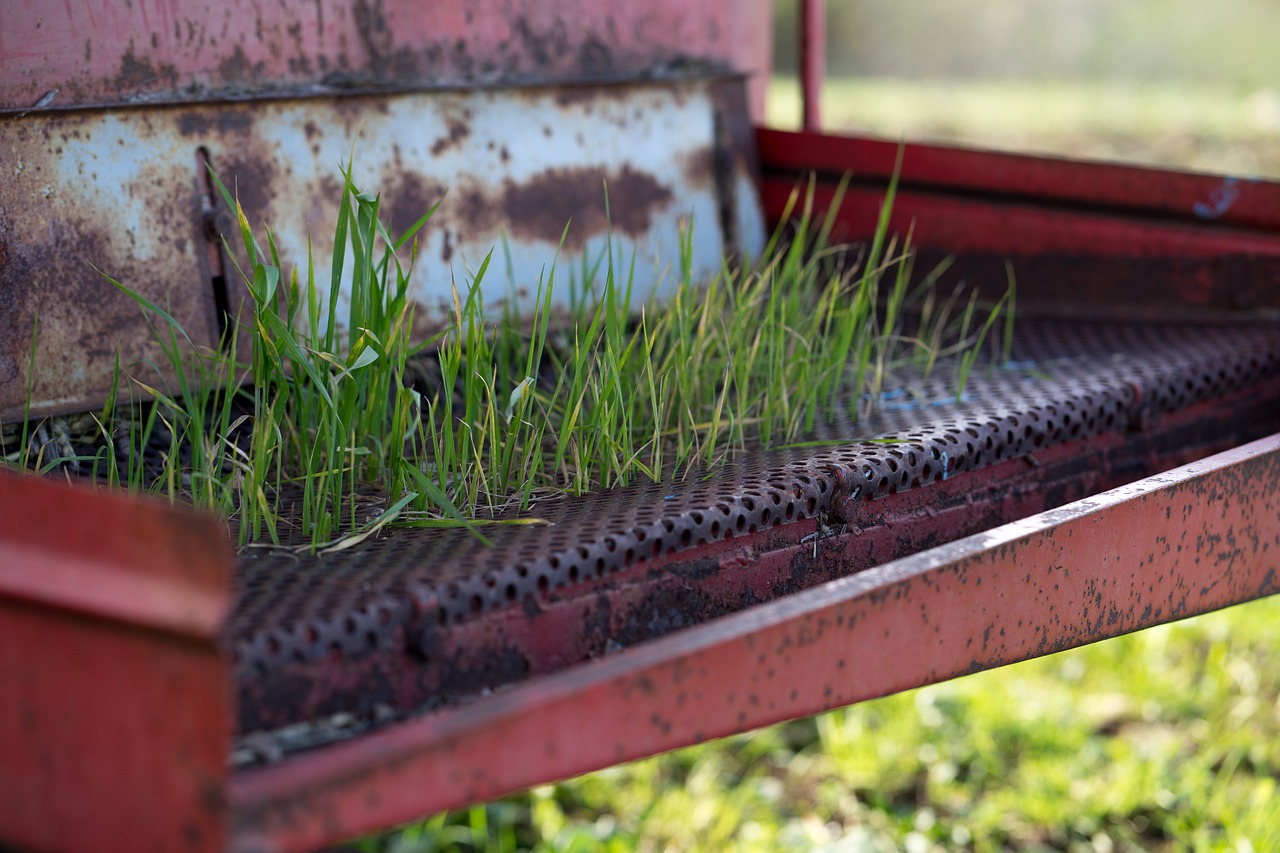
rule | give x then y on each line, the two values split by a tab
115	696
813	60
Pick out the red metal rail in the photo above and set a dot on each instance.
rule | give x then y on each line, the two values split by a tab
1081	237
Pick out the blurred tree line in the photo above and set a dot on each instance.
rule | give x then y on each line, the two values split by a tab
1231	42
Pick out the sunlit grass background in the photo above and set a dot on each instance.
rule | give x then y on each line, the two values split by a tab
1181	125
1168	739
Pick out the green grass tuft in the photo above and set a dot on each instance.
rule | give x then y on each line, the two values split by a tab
325	432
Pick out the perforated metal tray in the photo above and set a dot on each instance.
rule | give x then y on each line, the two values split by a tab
418	618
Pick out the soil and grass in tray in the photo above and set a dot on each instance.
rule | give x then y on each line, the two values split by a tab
317	427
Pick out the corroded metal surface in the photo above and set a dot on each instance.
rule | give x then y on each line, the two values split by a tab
84	190
125	191
424	617
81	52
1188	541
115	717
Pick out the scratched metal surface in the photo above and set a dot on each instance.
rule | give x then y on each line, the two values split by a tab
124	191
388	612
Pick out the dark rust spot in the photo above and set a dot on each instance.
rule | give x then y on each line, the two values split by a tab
539	208
446	254
458	130
249	179
406	198
698	167
595	57
193	124
139	74
237	68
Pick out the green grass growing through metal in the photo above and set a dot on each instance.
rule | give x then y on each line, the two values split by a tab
317	430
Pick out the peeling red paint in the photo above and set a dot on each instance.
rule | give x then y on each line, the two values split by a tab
194	50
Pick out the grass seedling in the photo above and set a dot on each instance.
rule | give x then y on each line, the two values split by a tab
322	436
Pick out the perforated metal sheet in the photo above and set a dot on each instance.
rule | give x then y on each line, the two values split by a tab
1065	382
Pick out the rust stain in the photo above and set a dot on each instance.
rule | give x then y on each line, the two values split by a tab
406	197
124	191
539	208
95	60
698	167
458	131
138	73
203	122
237	68
57	223
249	177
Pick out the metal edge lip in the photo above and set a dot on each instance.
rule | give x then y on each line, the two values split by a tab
356	88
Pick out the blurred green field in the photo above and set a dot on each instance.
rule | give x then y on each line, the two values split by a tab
1168	739
1208	128
1165	740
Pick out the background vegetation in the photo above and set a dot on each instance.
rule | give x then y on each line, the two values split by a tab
1168	739
1170	82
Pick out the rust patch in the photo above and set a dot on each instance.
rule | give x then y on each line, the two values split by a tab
193	124
83	320
543	46
595	57
586	96
45	251
458	131
237	68
138	74
202	123
408	196
698	167
538	209
357	43
577	96
371	27
249	178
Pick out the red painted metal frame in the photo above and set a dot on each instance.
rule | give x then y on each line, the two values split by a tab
116	717
1080	236
1191	540
87	53
813	60
1244	202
